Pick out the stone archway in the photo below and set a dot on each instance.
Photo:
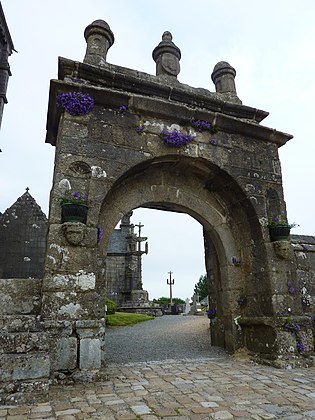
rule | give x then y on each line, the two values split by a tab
160	184
129	139
231	230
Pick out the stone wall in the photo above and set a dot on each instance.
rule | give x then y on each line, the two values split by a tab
24	344
304	250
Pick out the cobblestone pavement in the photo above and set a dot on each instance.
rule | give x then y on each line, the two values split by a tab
213	388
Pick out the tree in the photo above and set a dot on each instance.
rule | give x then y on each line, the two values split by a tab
201	288
166	301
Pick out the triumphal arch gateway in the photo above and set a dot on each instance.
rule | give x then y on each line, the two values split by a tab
126	139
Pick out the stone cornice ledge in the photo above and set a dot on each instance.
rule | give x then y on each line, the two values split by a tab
133	81
173	98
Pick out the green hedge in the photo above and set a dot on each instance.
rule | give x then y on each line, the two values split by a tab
111	306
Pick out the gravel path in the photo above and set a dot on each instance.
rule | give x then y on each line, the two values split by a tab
167	337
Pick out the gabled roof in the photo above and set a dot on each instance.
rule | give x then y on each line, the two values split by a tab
25	206
4	32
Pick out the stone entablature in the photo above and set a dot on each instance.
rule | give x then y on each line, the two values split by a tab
156	98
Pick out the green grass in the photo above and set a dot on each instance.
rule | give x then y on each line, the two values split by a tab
121	319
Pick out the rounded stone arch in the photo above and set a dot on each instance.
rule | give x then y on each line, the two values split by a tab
208	194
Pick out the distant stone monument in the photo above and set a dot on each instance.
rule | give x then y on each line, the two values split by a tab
187	307
196	306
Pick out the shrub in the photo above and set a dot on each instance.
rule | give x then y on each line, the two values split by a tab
111	306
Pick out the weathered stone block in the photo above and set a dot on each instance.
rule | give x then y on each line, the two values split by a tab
24	366
90	353
20	296
64	354
261	339
24	392
20	323
76	127
90	328
70	306
59	328
79	282
23	342
67	256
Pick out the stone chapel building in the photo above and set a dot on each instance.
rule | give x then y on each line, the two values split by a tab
23	232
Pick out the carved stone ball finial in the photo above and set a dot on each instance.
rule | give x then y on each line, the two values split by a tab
223	76
167	56
167	36
99	39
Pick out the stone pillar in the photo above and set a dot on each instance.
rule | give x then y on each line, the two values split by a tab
73	301
167	56
73	306
223	76
99	39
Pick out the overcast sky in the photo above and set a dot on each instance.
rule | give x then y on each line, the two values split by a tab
270	44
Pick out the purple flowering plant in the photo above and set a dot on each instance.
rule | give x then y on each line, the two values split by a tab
176	138
75	103
74	198
278	221
99	234
295	329
140	129
211	313
202	125
235	261
122	109
242	300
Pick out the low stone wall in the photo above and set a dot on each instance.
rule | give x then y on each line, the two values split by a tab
24	345
304	250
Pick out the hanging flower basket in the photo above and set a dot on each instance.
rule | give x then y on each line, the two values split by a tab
279	228
279	233
74	212
74	207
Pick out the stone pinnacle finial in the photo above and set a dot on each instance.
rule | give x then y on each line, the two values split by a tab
223	76
167	56
99	39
